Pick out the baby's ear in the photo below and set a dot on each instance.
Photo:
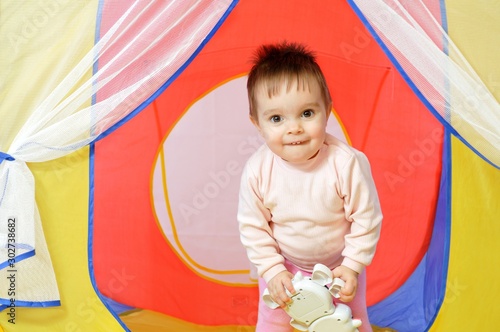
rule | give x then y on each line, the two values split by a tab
255	122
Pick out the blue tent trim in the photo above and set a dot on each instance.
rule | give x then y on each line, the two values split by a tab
6	303
91	195
415	305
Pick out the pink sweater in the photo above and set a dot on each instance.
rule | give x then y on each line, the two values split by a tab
325	210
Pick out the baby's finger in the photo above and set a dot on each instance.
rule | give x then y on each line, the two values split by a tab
346	298
348	289
289	287
282	299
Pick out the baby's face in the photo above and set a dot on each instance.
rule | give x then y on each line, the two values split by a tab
293	123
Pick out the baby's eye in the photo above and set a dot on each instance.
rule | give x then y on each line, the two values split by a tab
307	113
275	118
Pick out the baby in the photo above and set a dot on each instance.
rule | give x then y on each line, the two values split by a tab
305	196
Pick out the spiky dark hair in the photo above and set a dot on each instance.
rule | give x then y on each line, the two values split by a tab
274	64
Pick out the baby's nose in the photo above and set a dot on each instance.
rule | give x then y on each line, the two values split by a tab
294	127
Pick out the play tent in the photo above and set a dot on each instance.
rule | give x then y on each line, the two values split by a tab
123	131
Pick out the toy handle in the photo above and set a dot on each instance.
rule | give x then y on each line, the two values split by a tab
336	287
266	297
269	301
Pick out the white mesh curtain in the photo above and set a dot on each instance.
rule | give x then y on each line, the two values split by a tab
147	44
438	71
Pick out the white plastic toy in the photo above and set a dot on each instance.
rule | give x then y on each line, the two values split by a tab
312	308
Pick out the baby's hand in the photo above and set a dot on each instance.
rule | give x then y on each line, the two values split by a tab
277	285
350	277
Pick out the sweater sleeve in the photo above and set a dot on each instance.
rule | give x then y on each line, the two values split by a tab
255	231
362	209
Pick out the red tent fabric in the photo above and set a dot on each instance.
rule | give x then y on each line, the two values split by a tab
136	266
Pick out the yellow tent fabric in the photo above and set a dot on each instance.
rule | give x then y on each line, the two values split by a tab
471	294
63	190
62	186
